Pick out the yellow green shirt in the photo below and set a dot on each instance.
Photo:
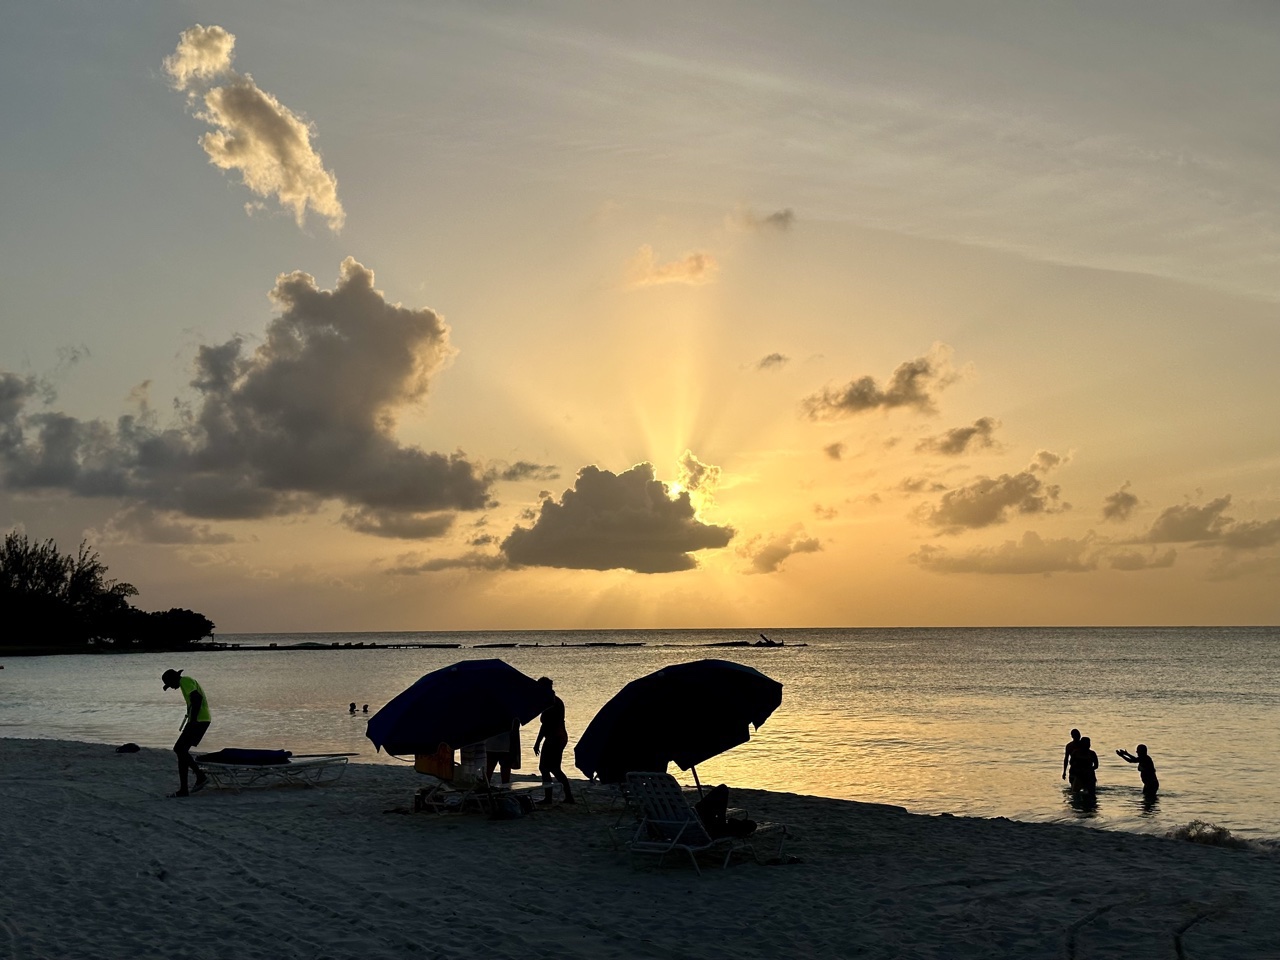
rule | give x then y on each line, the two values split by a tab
186	685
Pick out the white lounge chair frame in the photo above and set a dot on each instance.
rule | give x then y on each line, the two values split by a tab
668	823
308	771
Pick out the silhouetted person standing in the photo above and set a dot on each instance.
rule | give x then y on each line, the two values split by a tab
1084	767
1146	768
1072	747
193	728
553	737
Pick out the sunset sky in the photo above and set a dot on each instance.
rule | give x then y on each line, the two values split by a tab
435	316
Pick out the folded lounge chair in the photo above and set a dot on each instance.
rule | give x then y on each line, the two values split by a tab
237	768
667	822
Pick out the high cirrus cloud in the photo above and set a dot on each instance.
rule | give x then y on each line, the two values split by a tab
914	384
307	417
628	520
978	436
988	501
693	269
253	132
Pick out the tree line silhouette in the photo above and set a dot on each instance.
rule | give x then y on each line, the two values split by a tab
56	602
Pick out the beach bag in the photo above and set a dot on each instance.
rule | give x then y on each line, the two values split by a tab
507	807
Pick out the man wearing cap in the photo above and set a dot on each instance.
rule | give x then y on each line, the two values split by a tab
193	728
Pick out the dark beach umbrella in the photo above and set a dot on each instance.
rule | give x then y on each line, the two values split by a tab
682	714
458	705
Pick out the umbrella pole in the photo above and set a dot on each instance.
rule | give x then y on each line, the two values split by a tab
697	781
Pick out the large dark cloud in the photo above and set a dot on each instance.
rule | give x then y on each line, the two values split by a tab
913	384
991	500
1031	554
309	416
979	436
607	521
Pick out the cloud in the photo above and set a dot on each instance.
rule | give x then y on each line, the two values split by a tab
1120	505
1031	554
610	521
1188	523
779	220
141	524
413	564
835	451
913	384
960	440
694	268
698	477
308	417
523	470
254	133
1044	461
990	500
774	361
396	524
920	485
1129	560
1252	534
768	553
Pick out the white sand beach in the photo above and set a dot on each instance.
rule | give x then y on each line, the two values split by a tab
95	862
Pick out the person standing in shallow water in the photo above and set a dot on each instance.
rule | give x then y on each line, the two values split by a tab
553	737
1084	767
1072	747
193	728
1146	768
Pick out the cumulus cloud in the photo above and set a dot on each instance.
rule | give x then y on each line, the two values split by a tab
773	361
253	132
307	417
779	220
1120	505
835	451
523	470
913	385
1031	554
609	521
694	269
979	436
1188	523
991	500
1252	534
1129	560
767	554
397	524
1045	460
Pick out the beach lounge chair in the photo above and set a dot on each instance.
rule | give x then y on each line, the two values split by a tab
235	768
668	823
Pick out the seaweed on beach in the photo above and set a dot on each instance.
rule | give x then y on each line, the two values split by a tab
1210	834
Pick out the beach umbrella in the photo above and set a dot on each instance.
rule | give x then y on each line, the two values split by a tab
458	705
683	714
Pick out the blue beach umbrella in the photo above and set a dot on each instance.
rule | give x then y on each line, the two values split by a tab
683	714
458	705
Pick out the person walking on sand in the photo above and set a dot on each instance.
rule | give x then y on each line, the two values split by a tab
1072	747
193	728
1146	768
553	737
1084	766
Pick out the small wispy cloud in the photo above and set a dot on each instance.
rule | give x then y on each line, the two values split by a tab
694	269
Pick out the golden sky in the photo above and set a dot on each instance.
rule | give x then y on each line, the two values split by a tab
400	317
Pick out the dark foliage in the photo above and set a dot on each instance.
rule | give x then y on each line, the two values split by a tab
55	601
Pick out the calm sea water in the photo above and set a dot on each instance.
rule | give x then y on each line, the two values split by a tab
962	721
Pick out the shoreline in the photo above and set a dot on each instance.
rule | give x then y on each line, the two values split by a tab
345	870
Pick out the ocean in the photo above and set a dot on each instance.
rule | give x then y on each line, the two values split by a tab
967	721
